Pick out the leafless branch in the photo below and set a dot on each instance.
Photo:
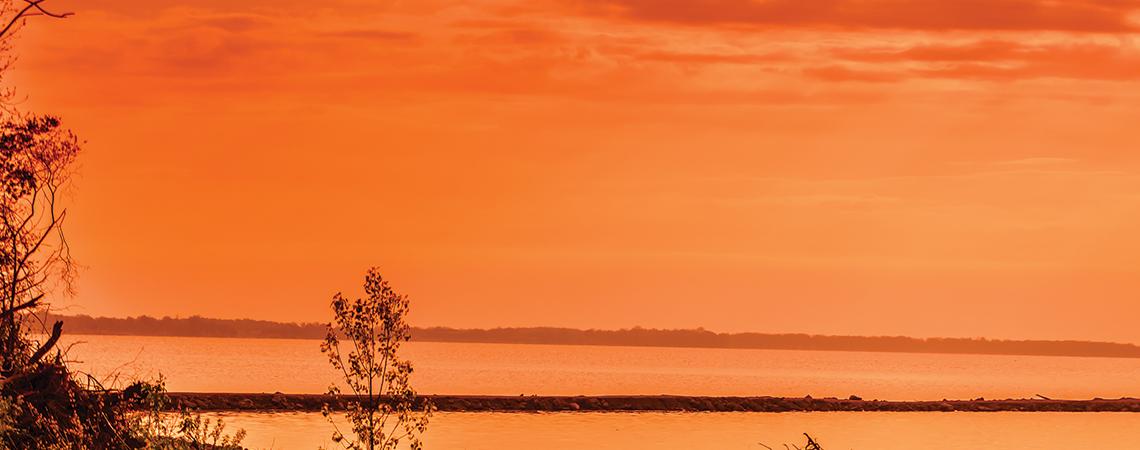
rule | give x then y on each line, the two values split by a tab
28	304
33	8
56	332
40	8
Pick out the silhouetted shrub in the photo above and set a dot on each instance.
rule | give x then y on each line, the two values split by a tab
383	408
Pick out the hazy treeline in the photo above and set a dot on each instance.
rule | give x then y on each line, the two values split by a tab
193	326
707	339
639	337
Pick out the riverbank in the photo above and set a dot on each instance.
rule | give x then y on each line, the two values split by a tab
661	403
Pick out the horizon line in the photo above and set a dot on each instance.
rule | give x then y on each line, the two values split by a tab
700	329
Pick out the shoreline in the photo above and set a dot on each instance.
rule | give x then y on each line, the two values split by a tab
278	402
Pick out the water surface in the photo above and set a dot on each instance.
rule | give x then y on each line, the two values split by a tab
297	366
721	431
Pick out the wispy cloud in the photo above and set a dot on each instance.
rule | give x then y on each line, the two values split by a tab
621	51
1039	161
372	35
931	15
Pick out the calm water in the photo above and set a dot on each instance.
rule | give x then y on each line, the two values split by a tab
730	431
297	366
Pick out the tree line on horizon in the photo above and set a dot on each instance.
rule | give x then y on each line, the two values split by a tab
197	326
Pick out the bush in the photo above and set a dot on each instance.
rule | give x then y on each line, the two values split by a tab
383	408
51	411
185	429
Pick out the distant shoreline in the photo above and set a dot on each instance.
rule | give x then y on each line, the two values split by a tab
661	403
635	337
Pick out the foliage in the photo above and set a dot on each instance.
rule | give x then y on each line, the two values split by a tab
36	156
184	430
383	408
46	407
7	418
42	405
192	326
202	434
48	410
61	414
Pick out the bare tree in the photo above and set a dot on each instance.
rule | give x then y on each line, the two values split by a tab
36	163
36	158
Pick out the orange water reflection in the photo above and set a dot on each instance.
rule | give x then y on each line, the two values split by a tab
296	366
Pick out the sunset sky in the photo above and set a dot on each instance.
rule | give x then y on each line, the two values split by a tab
925	168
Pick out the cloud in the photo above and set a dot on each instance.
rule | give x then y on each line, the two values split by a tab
547	50
372	35
715	58
1040	161
938	52
1109	16
842	73
520	36
234	22
825	200
999	60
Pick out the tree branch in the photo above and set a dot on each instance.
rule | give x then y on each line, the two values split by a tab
56	331
28	304
36	4
27	11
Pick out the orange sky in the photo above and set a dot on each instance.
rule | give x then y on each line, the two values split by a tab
955	168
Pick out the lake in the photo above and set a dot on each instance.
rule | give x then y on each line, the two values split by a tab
729	431
297	366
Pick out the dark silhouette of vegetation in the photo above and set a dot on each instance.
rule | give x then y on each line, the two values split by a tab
17	13
41	405
193	326
811	445
36	156
383	408
700	338
44	405
157	428
662	403
635	337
